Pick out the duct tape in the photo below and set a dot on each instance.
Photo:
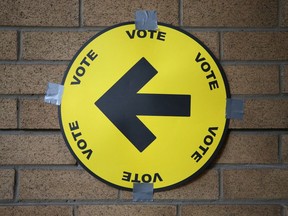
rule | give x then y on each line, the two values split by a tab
143	192
146	20
54	93
234	108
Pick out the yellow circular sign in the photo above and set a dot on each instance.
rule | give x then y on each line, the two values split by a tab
142	106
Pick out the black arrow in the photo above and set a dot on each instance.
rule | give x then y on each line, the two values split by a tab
121	104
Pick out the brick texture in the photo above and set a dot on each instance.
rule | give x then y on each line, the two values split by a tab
29	79
255	79
250	148
8	113
6	184
62	184
255	46
128	210
39	13
227	210
255	184
36	210
53	45
109	12
204	187
263	113
39	175
34	149
285	149
283	13
221	13
210	39
8	45
38	114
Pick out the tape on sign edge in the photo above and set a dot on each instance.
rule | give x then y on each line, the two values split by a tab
143	192
146	20
54	94
234	108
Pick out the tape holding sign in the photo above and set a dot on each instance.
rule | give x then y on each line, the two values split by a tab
144	106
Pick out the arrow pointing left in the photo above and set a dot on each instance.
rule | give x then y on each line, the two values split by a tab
121	104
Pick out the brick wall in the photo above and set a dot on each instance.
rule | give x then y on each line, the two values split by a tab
38	175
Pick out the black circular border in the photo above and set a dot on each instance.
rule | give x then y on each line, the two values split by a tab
222	140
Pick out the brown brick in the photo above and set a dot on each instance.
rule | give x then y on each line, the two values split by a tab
250	148
53	45
210	39
29	79
263	113
108	12
255	184
285	148
255	46
204	187
253	79
38	114
8	113
283	13
222	13
39	13
8	44
34	149
62	184
127	210
6	184
227	210
36	210
284	76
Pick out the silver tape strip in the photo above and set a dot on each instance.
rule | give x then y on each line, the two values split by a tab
146	20
54	93
143	192
234	108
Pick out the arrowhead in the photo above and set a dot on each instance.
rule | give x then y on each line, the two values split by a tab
121	104
119	101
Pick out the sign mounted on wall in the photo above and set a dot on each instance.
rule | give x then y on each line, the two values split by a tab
144	106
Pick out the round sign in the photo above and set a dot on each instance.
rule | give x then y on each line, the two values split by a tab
143	106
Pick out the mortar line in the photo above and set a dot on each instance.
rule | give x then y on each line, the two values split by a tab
155	202
178	210
221	53
280	148
25	131
24	96
221	197
19	45
250	166
253	62
81	19
223	62
75	210
18	112
30	132
180	13
40	167
52	29
36	62
239	96
285	210
100	28
231	29
213	166
281	77
16	185
279	13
